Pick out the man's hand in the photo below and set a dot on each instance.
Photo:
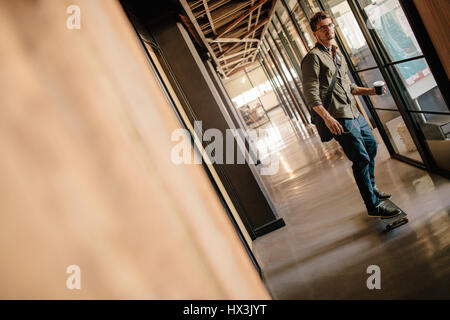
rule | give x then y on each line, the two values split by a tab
334	126
373	91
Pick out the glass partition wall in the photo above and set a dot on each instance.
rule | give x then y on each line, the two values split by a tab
378	43
252	95
402	59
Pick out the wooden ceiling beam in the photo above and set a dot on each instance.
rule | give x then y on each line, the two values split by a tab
231	30
249	25
242	17
238	68
256	22
224	15
194	22
208	14
234	55
227	40
259	25
233	62
213	5
271	11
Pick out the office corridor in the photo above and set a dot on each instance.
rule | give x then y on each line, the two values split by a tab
328	242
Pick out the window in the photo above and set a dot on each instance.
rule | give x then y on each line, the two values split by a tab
389	22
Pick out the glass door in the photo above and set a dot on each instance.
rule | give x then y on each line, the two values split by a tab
404	61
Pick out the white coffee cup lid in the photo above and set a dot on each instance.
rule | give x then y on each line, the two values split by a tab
378	83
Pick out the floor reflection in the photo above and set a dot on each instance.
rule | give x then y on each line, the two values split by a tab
328	242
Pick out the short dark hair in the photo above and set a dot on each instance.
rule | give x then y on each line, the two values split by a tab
316	18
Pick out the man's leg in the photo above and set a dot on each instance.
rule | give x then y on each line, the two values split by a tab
354	148
371	148
370	144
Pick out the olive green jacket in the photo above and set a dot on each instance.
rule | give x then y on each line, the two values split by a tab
317	72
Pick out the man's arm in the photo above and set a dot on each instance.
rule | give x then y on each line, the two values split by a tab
361	91
310	72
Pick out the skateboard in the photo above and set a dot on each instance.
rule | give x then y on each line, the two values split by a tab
395	221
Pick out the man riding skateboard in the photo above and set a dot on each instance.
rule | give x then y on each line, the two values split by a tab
328	93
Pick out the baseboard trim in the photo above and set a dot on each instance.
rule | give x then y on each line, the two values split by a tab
269	227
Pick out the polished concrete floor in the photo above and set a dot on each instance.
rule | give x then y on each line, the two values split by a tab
328	242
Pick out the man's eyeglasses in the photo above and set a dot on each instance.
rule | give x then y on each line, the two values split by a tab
325	26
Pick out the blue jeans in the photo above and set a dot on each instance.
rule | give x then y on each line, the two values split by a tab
360	147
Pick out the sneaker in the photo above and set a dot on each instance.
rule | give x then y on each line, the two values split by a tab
380	194
384	211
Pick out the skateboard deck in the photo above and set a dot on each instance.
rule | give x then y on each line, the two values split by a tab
396	221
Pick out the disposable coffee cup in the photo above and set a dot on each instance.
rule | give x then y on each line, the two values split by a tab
378	87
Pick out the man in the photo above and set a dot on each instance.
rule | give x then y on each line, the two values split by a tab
341	116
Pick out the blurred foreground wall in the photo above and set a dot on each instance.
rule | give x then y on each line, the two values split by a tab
86	176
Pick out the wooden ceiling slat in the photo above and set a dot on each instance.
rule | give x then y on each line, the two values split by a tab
241	22
259	25
245	15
